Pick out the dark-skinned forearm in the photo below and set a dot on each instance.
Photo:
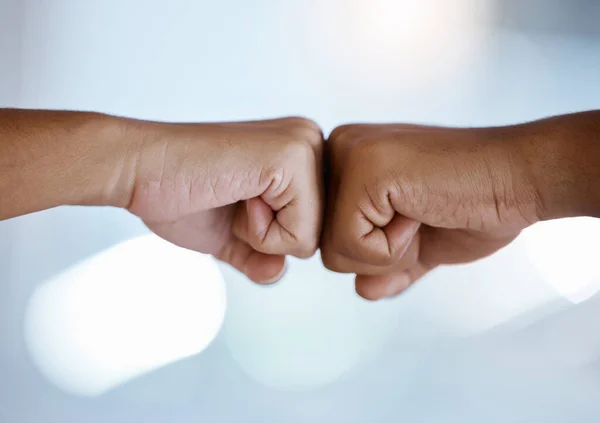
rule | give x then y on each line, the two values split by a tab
562	157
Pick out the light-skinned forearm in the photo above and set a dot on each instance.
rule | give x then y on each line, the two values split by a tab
54	158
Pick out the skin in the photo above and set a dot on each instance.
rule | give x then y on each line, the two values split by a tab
401	199
248	193
405	199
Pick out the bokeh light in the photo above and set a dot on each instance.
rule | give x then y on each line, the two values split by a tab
306	331
124	312
565	253
386	41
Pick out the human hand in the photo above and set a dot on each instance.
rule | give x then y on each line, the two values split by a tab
248	193
404	199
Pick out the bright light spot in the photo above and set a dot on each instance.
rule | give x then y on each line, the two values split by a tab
306	331
393	21
385	41
122	313
565	253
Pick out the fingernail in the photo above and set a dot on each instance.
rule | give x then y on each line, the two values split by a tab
279	276
399	284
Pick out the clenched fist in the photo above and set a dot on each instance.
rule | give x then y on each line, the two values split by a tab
406	199
402	199
248	193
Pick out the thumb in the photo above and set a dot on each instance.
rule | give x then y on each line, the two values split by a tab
261	268
252	221
251	225
265	228
259	217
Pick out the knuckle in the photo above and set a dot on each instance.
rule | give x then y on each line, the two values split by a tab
310	137
307	246
364	163
365	151
358	165
297	151
306	252
337	133
303	124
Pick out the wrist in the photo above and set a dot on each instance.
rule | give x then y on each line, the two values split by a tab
117	148
159	163
510	193
561	158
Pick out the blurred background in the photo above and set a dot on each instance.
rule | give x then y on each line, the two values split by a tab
102	322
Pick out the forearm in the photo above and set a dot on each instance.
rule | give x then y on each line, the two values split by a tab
53	158
562	157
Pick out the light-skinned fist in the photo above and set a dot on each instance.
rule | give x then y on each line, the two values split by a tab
249	193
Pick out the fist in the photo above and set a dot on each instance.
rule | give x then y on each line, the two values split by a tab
405	199
248	193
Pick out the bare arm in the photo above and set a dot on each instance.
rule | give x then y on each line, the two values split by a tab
248	193
563	156
405	199
51	158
